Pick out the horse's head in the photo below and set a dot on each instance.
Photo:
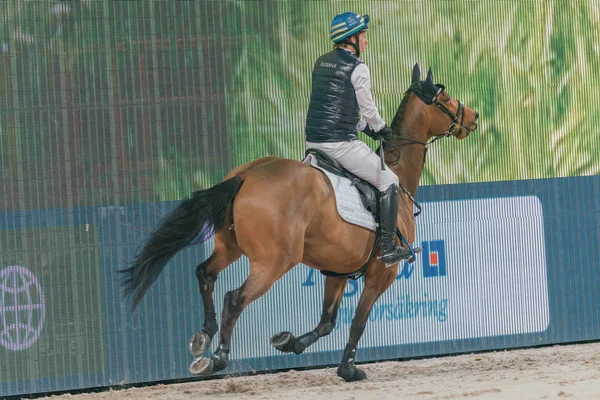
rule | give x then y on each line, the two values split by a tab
446	115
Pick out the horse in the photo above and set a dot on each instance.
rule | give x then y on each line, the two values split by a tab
294	206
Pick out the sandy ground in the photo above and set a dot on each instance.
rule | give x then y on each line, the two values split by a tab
571	371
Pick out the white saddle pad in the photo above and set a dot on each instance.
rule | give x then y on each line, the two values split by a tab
347	198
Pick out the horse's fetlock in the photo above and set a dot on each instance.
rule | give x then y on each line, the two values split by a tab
221	358
298	347
210	324
223	349
327	328
349	355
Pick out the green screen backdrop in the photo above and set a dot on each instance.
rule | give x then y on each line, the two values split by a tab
106	102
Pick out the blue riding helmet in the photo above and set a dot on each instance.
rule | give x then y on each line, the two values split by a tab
347	24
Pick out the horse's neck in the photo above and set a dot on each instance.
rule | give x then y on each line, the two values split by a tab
410	167
411	156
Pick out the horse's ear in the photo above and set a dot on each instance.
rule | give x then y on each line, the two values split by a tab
416	73
429	77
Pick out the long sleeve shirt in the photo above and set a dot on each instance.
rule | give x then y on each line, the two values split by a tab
361	80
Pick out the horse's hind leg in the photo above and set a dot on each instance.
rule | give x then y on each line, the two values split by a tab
260	280
224	253
334	290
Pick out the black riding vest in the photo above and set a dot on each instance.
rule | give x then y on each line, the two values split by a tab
333	110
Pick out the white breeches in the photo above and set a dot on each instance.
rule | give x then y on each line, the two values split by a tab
358	158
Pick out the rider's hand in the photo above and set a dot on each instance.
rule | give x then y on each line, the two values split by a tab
385	133
364	128
370	133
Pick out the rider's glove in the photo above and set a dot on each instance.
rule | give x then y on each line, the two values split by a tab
370	133
385	133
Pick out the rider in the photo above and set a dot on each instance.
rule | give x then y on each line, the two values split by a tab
341	91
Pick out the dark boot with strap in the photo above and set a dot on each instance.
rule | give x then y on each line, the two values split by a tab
388	215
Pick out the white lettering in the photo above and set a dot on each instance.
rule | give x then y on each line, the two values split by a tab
328	65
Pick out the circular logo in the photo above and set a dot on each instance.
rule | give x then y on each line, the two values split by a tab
22	309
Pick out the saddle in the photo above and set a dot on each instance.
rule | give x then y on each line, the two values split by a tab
369	196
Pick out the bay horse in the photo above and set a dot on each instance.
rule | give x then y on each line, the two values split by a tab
279	213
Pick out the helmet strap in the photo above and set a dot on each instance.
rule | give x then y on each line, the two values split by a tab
356	45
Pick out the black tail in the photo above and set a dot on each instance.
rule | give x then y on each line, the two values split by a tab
204	211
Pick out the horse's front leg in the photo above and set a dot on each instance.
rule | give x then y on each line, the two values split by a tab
334	290
377	281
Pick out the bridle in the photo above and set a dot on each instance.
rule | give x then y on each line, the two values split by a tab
455	127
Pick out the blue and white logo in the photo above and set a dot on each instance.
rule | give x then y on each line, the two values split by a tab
434	259
22	309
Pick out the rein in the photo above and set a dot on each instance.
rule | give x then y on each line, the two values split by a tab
410	141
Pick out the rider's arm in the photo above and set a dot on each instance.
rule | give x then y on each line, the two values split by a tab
361	80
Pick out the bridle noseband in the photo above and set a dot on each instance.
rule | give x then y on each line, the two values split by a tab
456	125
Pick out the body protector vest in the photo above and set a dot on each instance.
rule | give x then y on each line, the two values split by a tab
333	110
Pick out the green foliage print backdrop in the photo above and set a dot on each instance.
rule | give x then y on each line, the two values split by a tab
111	102
528	67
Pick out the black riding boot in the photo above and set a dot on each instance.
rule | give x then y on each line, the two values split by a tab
388	215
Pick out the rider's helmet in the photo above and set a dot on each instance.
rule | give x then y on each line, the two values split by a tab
348	24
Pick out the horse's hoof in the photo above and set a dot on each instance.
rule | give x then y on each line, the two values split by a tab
199	343
283	341
351	374
201	366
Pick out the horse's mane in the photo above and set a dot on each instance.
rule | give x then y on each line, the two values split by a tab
398	115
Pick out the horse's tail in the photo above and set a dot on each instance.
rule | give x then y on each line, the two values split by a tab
205	211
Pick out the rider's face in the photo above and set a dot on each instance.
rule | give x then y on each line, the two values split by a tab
362	41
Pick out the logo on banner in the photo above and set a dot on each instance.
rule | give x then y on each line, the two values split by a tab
22	308
434	259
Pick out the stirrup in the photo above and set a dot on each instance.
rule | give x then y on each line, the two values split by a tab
396	257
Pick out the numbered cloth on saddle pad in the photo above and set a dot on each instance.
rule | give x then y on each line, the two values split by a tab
347	198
